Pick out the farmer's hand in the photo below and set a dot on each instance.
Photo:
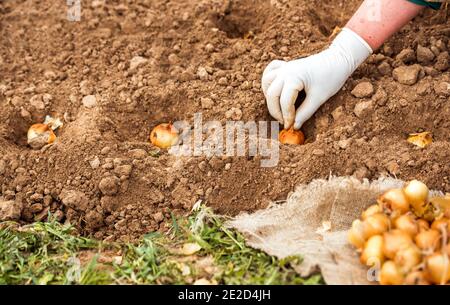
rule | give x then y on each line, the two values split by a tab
320	75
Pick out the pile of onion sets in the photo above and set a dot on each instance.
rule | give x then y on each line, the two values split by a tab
406	234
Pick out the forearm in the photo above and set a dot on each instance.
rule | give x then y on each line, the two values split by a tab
377	20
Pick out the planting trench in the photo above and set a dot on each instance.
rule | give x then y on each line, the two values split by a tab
104	176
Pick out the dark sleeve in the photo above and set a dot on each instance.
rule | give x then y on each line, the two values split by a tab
433	5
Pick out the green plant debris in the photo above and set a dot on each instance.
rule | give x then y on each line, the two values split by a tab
49	253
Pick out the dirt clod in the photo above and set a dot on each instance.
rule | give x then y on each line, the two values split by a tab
406	75
424	55
109	186
10	210
75	200
362	90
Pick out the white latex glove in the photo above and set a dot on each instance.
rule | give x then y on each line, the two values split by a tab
320	75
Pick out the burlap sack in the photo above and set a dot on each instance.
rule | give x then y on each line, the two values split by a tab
313	223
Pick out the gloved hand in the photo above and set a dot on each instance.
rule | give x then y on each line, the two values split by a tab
320	75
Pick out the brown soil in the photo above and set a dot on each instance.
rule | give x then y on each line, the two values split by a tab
48	64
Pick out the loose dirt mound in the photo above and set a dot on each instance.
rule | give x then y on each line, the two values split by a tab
148	62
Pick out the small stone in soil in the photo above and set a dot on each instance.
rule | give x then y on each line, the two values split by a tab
206	103
363	108
94	163
137	62
364	89
89	101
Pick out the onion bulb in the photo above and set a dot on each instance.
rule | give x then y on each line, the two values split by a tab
291	136
416	278
390	274
423	225
428	240
373	209
372	253
442	205
394	241
407	223
441	224
407	258
40	135
416	193
355	234
438	268
164	135
394	201
375	225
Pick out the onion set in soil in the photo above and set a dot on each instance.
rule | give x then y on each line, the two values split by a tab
291	136
406	234
164	135
39	135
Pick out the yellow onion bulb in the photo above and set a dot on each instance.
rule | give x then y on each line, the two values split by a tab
441	224
375	225
428	240
164	135
394	201
291	136
437	266
416	193
407	258
442	205
372	253
407	223
416	278
390	274
355	234
394	241
39	135
373	209
423	225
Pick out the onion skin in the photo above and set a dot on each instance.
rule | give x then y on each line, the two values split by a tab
438	268
416	193
291	136
407	223
394	201
375	225
428	240
372	253
164	135
373	209
390	274
394	241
